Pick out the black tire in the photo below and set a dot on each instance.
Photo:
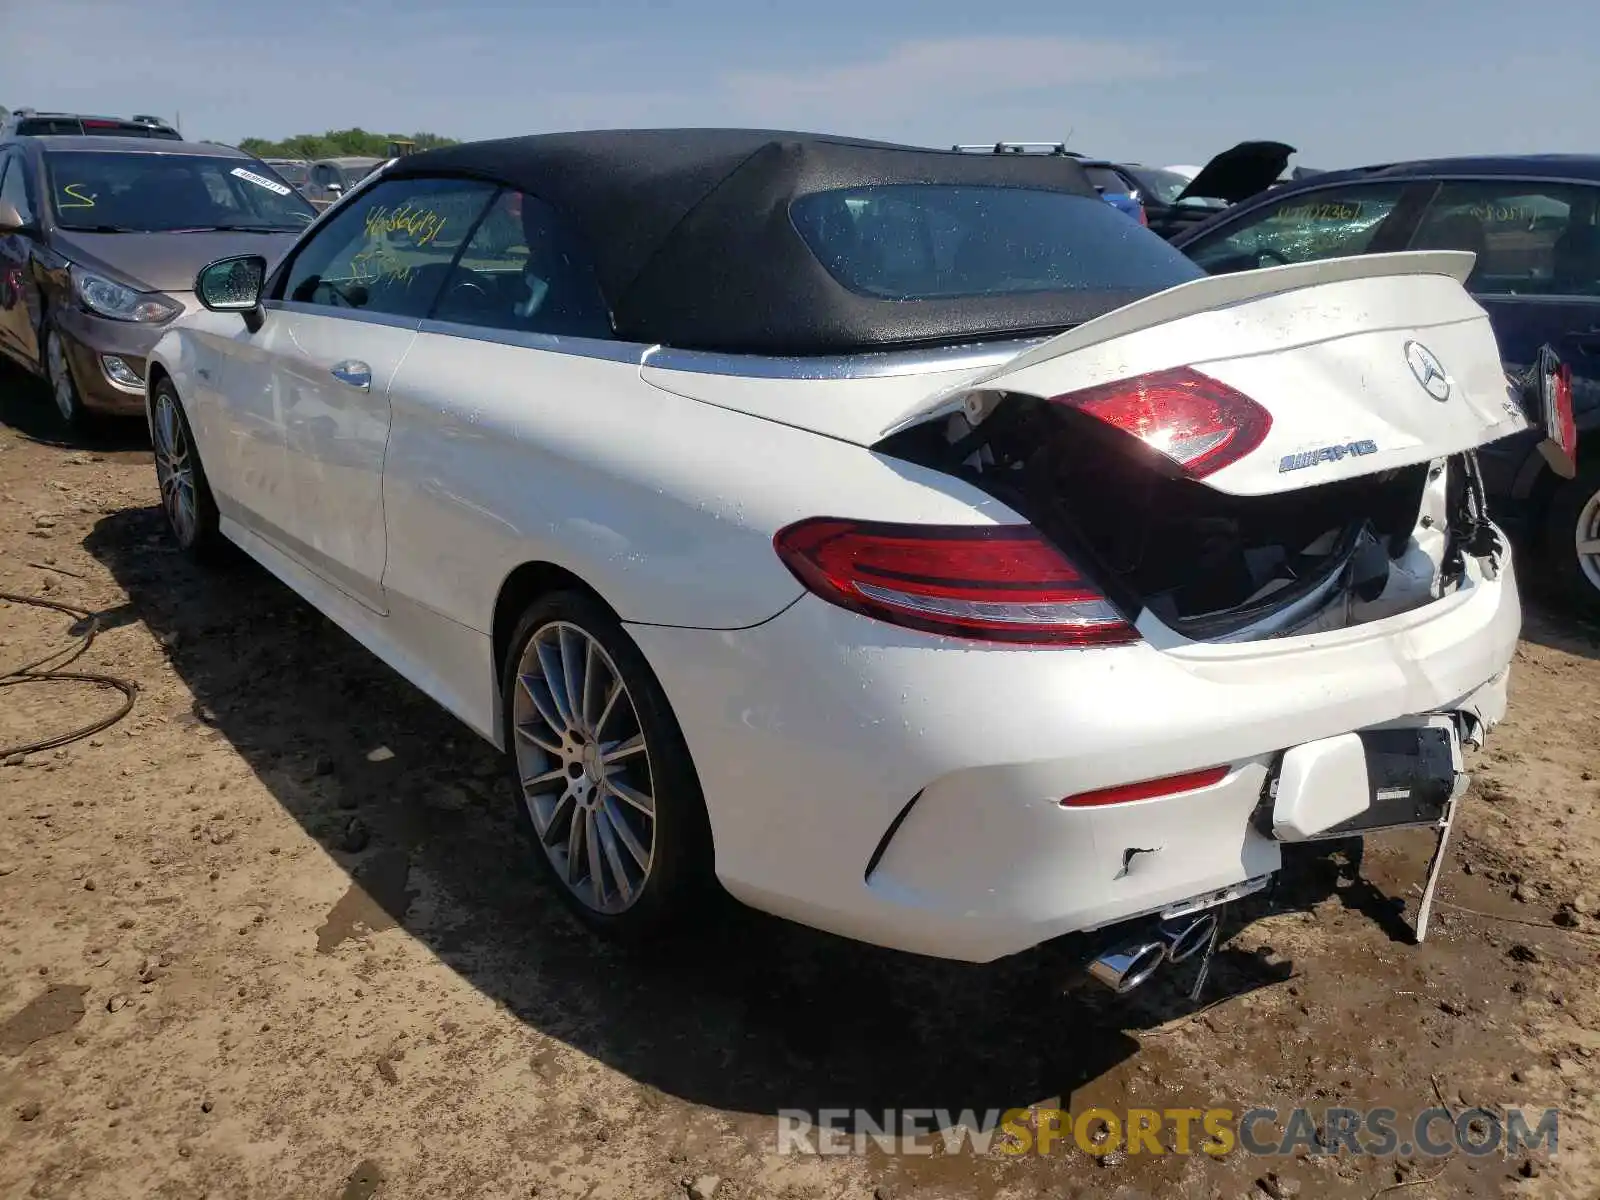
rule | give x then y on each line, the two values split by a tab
680	880
199	537
1572	502
64	393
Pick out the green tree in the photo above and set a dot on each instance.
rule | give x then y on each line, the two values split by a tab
337	143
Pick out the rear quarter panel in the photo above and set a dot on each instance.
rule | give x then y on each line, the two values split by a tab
665	505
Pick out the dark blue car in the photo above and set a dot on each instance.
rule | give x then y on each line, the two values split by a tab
1532	221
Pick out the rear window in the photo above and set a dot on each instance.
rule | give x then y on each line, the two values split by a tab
57	126
1107	180
937	241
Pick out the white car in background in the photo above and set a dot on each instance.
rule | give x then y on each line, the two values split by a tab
902	538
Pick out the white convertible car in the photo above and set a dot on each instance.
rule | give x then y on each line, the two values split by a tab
901	538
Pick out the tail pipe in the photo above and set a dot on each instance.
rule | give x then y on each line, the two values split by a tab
1127	967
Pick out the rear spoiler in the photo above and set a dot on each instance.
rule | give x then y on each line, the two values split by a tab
1204	295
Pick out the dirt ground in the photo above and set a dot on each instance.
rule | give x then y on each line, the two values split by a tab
272	935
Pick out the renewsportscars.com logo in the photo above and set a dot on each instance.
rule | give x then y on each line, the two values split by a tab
1261	1131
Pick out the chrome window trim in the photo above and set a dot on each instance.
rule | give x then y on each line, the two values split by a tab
877	364
874	365
359	315
555	343
1542	297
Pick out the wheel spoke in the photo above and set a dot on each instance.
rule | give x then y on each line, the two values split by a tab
618	822
530	735
574	848
571	653
605	713
644	802
608	840
545	707
586	700
550	662
597	873
547	777
551	834
622	750
1589	546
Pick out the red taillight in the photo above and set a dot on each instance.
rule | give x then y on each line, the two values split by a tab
1144	217
1147	790
1198	422
1569	425
998	583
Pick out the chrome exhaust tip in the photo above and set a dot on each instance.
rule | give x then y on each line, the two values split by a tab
1126	968
1187	936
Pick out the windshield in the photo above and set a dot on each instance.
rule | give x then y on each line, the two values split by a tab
1164	187
934	241
164	193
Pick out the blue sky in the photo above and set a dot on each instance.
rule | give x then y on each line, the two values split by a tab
1158	81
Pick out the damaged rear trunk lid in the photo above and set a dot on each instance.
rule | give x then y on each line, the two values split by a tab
1248	456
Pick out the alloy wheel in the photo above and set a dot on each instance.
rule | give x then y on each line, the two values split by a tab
1586	535
174	469
61	386
584	767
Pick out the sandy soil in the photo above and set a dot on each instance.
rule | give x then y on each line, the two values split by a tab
271	936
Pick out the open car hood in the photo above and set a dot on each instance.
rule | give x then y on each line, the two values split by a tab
1241	172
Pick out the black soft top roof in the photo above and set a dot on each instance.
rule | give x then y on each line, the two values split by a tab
693	245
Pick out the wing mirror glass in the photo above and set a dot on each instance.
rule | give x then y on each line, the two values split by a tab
234	285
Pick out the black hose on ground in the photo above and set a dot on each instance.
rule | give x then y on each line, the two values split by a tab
38	672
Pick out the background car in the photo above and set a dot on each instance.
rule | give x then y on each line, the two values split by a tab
1113	187
331	178
25	122
100	239
1235	175
296	172
924	565
1532	222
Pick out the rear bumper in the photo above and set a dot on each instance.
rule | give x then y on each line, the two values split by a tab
826	742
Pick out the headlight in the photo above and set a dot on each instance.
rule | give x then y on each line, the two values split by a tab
120	303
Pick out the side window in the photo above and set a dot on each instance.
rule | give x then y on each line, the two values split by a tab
1533	239
390	250
322	175
1332	223
525	271
14	186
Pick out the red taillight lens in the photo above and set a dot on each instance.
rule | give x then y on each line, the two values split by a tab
1144	217
1569	425
1198	422
1148	789
998	583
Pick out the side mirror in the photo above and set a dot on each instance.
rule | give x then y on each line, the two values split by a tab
234	285
335	190
10	219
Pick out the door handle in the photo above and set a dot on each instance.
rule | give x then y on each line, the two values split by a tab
356	374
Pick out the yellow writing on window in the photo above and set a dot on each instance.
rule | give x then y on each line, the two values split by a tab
1503	214
74	192
421	225
1330	211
